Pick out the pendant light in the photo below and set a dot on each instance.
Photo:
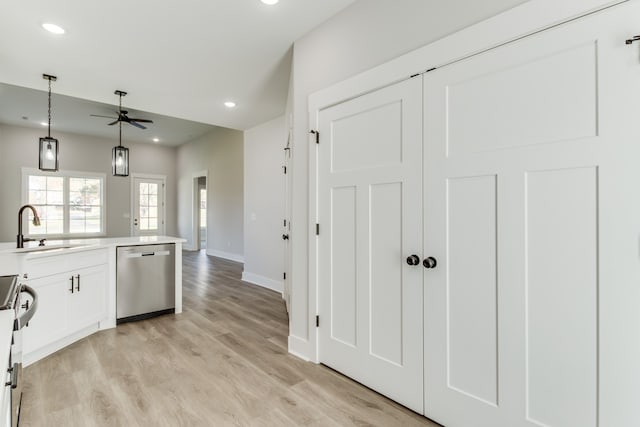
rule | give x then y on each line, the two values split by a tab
48	157
120	154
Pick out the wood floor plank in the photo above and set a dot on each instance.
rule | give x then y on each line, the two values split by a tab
222	362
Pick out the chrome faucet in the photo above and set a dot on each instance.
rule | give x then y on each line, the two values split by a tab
36	221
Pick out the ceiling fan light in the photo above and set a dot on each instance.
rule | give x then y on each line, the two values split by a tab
53	28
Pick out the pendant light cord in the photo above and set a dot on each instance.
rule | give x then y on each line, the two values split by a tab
49	131
120	121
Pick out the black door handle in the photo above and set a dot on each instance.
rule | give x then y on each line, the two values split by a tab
413	260
285	237
430	262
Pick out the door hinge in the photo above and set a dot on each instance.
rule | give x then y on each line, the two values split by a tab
284	275
285	169
317	134
285	223
317	321
317	229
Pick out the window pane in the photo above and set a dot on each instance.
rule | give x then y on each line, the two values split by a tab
38	197
144	200
153	188
153	200
54	197
153	223
93	226
77	226
153	212
144	188
55	183
37	182
144	223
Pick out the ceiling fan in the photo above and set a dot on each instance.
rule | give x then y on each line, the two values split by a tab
122	115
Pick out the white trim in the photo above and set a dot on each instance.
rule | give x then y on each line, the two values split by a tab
226	255
65	175
298	347
521	21
265	282
132	192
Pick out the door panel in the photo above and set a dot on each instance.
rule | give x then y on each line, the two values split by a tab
561	303
549	117
369	198
472	287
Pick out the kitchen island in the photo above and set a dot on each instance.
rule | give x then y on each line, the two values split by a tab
76	283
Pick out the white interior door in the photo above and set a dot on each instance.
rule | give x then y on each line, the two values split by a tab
370	205
148	206
532	212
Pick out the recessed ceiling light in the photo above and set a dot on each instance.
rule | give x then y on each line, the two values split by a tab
269	2
44	123
229	104
53	28
156	140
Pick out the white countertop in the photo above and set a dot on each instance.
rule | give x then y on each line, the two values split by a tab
74	245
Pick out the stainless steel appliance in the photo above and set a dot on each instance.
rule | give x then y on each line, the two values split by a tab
11	298
145	281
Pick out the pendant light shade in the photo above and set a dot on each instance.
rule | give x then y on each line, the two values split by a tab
120	161
48	148
120	154
48	154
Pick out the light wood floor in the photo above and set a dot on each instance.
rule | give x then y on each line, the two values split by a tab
223	362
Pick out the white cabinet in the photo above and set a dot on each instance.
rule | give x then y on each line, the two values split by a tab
70	300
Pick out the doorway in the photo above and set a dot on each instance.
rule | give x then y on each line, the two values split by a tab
199	210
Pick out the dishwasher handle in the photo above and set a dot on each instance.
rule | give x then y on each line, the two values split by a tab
141	254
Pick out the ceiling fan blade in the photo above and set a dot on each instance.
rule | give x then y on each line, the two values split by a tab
113	123
138	125
106	117
142	120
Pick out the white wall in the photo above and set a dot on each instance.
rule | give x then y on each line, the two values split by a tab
220	153
264	204
19	148
366	34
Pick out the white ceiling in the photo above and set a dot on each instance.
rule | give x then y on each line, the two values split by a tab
179	59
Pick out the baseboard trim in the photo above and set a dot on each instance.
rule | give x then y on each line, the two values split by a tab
226	255
265	282
299	348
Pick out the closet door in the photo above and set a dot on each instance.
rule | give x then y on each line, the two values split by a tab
370	215
532	210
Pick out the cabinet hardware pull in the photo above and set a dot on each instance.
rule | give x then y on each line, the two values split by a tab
71	284
78	284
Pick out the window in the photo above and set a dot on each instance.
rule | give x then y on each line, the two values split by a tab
203	208
68	203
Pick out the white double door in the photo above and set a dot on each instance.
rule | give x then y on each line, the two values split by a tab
520	178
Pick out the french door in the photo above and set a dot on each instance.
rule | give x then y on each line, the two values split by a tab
370	207
532	211
148	206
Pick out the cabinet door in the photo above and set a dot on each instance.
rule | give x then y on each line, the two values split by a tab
51	320
88	301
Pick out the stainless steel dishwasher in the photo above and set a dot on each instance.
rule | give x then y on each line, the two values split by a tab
145	281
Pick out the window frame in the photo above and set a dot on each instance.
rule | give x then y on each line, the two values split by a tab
66	207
